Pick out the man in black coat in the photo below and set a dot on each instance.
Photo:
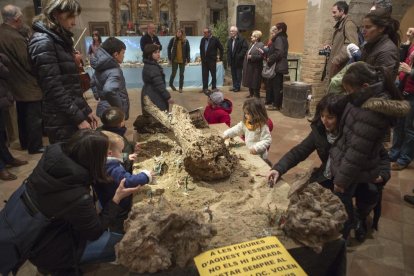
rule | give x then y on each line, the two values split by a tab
236	50
150	38
208	51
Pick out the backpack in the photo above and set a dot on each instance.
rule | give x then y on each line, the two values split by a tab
361	39
21	226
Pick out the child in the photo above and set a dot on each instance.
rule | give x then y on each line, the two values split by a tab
218	109
115	169
113	120
253	127
375	104
108	82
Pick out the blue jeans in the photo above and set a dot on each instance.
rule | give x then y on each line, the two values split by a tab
402	150
102	250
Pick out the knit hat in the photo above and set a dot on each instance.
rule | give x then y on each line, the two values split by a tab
352	50
216	97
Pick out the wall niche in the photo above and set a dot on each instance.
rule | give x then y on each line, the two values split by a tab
130	17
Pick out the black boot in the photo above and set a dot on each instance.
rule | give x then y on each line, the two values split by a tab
361	229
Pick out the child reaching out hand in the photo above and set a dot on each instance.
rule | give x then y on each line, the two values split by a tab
114	168
254	127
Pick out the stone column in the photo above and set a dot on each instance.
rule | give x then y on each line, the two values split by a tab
318	31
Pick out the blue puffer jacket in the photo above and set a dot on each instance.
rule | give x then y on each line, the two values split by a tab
108	83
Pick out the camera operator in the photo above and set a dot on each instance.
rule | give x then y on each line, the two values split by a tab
345	32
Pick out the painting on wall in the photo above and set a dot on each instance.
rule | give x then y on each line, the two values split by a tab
189	27
101	27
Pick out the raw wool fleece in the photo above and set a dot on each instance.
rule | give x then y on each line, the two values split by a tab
314	216
160	235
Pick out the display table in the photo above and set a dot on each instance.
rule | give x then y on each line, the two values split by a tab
240	205
192	75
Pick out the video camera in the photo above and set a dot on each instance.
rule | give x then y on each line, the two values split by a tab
325	52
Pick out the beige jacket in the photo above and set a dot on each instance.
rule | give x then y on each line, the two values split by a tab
344	34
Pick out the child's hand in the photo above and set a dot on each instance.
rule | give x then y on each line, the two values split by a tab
132	157
253	151
379	179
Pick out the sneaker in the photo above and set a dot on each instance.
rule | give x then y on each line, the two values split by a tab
409	199
395	166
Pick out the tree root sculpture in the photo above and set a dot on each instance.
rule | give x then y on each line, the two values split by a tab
161	235
206	157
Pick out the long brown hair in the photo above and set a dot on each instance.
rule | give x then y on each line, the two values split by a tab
183	36
257	110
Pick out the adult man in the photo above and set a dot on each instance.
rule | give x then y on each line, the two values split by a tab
208	51
25	89
345	32
236	50
402	150
150	37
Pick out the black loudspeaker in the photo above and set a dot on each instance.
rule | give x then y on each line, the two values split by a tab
245	17
37	6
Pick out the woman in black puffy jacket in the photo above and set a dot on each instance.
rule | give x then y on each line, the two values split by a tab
53	58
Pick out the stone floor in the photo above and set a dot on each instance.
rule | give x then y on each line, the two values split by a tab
390	251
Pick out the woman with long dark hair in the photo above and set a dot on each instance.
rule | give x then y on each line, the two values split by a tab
382	36
96	43
62	181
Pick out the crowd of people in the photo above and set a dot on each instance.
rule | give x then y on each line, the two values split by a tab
74	228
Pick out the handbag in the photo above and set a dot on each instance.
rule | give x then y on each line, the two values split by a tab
269	72
21	226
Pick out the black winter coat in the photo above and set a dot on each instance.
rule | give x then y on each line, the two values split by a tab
154	85
55	183
236	57
316	140
211	53
172	49
278	52
355	154
147	39
64	107
6	96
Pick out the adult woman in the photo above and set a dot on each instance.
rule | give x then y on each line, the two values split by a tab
374	106
62	181
382	37
278	53
154	79
253	65
324	131
179	56
52	55
96	43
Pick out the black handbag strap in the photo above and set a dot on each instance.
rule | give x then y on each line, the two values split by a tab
33	208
